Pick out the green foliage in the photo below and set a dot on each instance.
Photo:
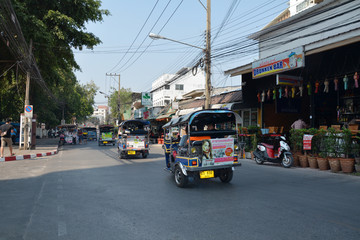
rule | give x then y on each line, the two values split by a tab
55	28
296	139
347	143
125	102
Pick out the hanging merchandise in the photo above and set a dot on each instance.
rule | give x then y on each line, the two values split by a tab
286	91
326	86
317	84
336	82
280	91
293	92
346	80
258	97
356	78
268	94
301	89
263	96
274	94
309	88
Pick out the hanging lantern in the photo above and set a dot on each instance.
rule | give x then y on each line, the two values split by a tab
336	82
317	84
263	96
286	91
301	89
356	78
326	86
274	94
308	86
280	92
346	80
293	92
258	97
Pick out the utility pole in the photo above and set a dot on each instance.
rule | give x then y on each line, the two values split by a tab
27	102
208	57
118	100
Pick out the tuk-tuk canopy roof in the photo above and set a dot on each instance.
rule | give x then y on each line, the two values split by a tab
67	126
106	126
189	118
142	122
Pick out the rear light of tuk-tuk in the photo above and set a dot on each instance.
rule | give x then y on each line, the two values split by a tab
146	145
124	146
193	163
235	159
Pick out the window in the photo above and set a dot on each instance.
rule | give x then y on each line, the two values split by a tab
179	87
167	87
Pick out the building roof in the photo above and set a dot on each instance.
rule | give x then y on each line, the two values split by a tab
235	96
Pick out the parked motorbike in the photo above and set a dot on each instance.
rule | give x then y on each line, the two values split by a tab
278	152
62	139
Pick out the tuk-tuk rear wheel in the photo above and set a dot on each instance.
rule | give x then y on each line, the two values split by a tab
226	175
180	178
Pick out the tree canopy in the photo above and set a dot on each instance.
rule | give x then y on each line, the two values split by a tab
55	28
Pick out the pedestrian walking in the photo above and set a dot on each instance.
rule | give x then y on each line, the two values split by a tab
5	132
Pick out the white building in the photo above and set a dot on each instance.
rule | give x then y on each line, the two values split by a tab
169	86
100	112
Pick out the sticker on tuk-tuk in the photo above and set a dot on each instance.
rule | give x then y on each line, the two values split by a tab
217	151
106	135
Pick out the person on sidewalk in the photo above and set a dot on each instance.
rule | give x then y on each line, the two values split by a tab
5	132
299	124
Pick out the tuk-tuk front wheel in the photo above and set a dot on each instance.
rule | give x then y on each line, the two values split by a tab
180	179
226	175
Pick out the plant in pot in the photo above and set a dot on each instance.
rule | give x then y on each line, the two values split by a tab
314	147
356	150
296	139
328	147
347	163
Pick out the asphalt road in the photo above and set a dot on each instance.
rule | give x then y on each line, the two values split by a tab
86	192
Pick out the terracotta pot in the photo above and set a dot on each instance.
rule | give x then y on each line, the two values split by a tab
357	168
347	165
303	161
334	164
296	162
312	162
323	163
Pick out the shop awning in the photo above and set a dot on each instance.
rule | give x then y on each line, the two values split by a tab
165	116
227	106
186	111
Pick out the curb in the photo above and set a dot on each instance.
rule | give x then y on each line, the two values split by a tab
28	156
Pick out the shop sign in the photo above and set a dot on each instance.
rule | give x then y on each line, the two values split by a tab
288	80
307	138
146	99
285	61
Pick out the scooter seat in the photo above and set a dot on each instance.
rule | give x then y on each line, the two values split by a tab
268	145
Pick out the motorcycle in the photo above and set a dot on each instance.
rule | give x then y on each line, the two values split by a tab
279	152
62	139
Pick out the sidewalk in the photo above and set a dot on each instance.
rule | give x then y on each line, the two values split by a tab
43	147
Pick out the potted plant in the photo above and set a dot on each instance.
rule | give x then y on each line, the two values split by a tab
356	150
328	147
296	141
314	148
347	163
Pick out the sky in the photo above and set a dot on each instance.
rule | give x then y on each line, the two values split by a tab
126	49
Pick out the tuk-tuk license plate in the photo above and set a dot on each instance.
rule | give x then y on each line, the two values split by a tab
207	174
105	142
131	152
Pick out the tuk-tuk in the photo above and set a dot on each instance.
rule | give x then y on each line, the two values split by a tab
106	135
91	133
134	138
206	145
68	133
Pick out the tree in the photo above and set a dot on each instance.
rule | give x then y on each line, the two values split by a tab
118	108
56	27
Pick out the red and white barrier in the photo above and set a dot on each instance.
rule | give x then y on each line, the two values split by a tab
28	156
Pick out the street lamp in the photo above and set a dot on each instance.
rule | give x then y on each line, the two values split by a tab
207	51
